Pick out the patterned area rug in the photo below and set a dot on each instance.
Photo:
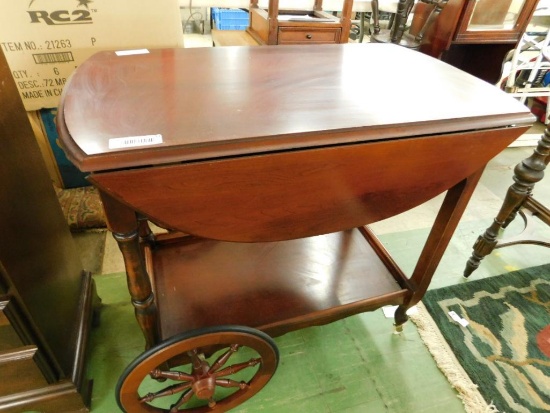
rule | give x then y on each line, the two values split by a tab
505	348
82	208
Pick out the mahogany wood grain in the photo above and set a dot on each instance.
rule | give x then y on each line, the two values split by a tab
203	283
285	150
288	195
266	100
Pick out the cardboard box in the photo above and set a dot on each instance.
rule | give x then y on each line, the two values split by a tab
44	41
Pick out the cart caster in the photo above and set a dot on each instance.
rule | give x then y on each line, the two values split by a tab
190	372
401	318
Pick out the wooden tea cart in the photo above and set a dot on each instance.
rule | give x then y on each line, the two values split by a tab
266	165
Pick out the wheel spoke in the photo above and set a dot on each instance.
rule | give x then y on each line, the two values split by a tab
181	401
224	358
196	361
235	368
168	391
231	383
173	375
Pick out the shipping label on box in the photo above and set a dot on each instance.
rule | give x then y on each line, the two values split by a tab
45	40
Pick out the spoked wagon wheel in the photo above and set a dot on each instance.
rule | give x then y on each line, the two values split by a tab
204	370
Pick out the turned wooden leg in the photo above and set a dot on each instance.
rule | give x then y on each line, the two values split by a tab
123	223
526	174
139	287
375	17
436	11
403	8
514	213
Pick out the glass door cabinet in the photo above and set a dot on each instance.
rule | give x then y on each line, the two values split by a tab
494	20
476	35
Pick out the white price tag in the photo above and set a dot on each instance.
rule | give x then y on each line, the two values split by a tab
458	319
133	141
131	52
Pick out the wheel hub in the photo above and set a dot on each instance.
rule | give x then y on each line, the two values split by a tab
204	388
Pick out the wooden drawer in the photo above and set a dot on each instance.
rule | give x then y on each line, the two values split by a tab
288	35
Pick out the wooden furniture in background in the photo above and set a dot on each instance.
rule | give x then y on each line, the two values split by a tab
45	296
274	26
222	38
519	200
475	35
273	191
398	33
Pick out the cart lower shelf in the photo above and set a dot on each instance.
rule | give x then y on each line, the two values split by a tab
276	287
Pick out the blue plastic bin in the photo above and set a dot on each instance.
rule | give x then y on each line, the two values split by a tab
229	19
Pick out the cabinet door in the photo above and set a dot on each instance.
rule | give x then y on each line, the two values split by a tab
494	21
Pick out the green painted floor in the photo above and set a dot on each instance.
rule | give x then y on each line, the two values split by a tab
356	364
